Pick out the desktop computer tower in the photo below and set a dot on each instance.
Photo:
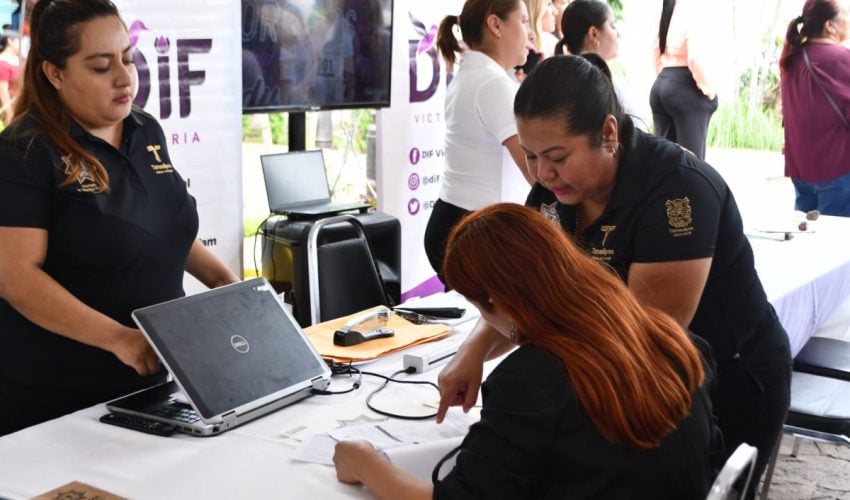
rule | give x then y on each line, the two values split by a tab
284	255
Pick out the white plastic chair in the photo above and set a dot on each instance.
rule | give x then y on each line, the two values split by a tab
735	476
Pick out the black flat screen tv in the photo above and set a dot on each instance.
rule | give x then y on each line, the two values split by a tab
300	55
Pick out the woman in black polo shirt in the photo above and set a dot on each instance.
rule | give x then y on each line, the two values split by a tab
94	221
666	223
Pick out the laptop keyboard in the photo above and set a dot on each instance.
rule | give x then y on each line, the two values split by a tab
178	411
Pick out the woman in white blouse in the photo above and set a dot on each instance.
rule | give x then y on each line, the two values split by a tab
484	162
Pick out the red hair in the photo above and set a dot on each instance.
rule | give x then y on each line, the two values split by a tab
632	367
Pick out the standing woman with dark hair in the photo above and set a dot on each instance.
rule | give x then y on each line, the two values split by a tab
480	127
683	97
666	223
588	26
603	397
94	221
815	86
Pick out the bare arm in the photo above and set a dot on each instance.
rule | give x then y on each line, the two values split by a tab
40	299
460	380
6	108
673	287
208	268
359	462
513	147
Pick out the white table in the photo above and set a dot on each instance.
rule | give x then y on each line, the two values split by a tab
807	277
250	461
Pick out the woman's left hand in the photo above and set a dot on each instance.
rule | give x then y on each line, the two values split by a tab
349	456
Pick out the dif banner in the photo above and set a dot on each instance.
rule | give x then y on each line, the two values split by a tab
188	57
411	134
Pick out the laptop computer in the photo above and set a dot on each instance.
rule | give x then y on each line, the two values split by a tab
297	186
235	354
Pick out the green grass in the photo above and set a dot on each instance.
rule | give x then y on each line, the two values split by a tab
250	225
735	125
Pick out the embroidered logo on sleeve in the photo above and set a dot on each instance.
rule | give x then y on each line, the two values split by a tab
159	167
679	217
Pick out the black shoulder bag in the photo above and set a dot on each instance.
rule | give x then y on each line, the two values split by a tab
825	93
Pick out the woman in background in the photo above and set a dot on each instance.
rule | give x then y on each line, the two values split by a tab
542	16
815	87
484	163
588	26
10	72
683	97
602	398
94	221
559	5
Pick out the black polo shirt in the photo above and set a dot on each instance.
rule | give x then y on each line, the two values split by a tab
668	205
114	251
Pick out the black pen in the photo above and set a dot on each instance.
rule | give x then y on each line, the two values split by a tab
434	312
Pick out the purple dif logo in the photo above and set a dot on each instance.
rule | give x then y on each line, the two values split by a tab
188	75
413	182
413	206
415	156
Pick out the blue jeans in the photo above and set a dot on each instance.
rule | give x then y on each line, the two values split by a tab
828	197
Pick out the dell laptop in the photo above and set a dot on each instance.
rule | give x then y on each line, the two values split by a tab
235	354
297	186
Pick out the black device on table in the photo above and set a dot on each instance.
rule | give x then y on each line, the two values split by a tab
433	312
137	423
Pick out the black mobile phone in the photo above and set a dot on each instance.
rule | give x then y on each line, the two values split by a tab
533	58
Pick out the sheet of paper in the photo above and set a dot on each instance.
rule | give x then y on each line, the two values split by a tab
317	449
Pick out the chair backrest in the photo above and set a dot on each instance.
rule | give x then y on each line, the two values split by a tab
734	478
344	276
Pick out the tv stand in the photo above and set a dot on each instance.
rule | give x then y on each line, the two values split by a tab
297	131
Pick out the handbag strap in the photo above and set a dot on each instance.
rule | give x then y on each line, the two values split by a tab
825	93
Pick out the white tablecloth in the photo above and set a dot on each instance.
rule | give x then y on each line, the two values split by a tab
807	277
251	461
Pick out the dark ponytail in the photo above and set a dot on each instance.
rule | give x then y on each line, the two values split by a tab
447	44
472	21
810	24
664	24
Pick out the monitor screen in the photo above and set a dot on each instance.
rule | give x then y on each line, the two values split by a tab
315	54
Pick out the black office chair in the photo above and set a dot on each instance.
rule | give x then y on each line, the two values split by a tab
825	356
735	476
820	411
343	275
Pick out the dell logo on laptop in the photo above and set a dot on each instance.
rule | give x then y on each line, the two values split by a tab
239	343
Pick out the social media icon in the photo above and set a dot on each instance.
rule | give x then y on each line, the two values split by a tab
413	182
415	156
413	206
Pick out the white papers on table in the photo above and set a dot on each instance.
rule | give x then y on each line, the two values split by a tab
385	435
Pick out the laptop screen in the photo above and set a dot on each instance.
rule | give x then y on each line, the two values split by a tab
295	179
232	346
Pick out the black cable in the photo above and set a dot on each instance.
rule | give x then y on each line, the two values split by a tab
347	369
392	378
260	230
